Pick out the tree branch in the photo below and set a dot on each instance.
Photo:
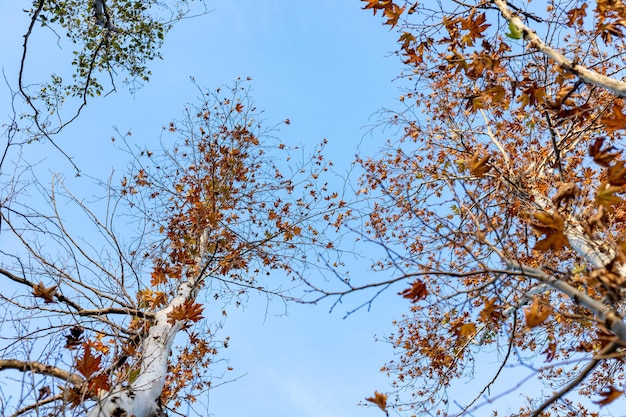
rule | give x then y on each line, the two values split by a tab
588	76
576	381
610	318
40	368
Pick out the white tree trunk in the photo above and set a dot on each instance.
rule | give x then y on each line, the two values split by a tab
141	397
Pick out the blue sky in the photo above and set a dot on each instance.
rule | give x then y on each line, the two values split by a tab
323	65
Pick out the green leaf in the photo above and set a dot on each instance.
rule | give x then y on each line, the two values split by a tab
514	33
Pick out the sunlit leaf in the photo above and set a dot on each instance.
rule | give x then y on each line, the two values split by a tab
379	399
609	395
47	293
416	292
537	313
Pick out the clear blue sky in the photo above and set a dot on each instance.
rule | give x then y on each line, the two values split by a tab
323	65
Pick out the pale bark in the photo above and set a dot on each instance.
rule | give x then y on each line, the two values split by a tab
591	77
141	397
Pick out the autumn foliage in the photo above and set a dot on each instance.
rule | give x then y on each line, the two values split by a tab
220	210
501	203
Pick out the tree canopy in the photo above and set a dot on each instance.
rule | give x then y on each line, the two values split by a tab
501	201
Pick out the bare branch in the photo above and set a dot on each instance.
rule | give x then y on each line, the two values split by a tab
40	368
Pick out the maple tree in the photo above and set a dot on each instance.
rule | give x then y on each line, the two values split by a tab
501	204
99	321
216	217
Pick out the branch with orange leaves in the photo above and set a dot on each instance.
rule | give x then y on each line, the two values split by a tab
590	77
606	315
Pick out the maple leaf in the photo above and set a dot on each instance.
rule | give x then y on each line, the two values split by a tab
565	191
376	4
88	364
379	399
189	310
602	156
489	312
98	383
617	173
552	225
597	221
605	195
40	291
537	313
610	394
615	120
158	276
465	331
479	166
576	16
416	292
239	107
393	14
72	395
475	25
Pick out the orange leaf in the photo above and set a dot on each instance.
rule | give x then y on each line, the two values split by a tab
576	16
489	312
379	399
478	165
605	195
552	225
617	174
466	331
88	364
537	313
40	291
610	394
158	276
616	120
393	14
376	4
550	352
99	383
602	156
416	292
238	107
186	311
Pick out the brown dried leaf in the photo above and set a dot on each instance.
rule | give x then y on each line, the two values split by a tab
610	394
479	166
601	156
189	310
552	225
550	352
379	399
598	221
490	312
88	364
416	292
565	191
44	392
537	313
617	173
40	291
605	195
